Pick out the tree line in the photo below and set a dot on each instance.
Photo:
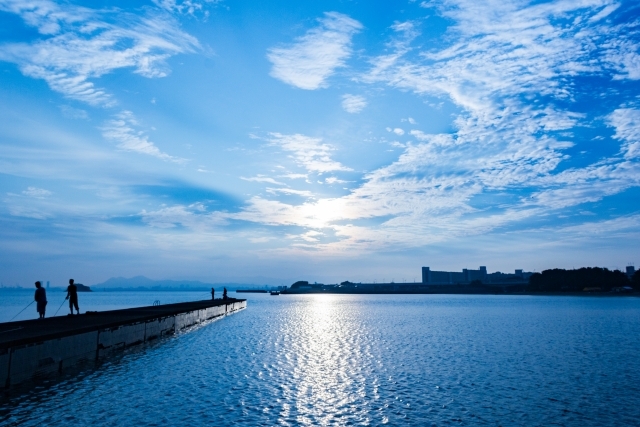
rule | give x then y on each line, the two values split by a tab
590	278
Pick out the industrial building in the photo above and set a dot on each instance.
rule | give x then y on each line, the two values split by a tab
432	277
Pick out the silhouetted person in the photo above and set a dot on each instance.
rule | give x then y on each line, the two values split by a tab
41	299
72	296
224	294
213	293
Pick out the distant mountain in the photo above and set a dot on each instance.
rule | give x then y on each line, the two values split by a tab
146	283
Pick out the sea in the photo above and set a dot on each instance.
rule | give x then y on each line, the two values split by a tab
357	360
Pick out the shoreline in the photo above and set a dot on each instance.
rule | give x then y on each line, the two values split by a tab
462	292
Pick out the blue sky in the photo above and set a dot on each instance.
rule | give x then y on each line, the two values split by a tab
337	140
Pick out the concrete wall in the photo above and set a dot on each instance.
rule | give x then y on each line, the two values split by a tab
158	327
44	358
32	361
120	337
5	355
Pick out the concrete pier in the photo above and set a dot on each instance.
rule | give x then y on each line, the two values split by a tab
36	348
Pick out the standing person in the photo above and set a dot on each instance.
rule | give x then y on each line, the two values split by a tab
72	296
41	299
224	294
213	293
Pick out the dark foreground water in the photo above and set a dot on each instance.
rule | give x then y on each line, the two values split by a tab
368	360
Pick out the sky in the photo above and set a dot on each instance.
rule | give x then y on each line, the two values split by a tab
268	142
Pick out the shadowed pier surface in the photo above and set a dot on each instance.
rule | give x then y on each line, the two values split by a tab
32	331
34	349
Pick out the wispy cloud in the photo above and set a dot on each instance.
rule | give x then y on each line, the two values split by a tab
334	180
121	129
353	103
194	217
309	153
81	44
502	54
190	7
309	236
39	193
290	191
73	113
262	178
626	121
312	58
47	16
294	176
508	70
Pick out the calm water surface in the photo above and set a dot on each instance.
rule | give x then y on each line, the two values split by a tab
364	360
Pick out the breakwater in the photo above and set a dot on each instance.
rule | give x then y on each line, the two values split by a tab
33	349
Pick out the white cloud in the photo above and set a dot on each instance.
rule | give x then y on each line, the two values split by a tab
74	113
309	153
262	239
627	124
294	176
419	135
607	227
504	57
309	236
121	130
334	180
81	44
314	57
38	193
27	212
353	103
189	7
194	216
290	191
502	54
47	16
262	178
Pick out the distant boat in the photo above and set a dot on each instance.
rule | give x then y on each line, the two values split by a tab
275	292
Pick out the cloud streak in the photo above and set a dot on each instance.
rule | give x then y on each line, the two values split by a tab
309	153
353	103
510	70
312	58
81	45
121	129
626	121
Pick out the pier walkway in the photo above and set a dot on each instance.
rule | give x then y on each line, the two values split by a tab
32	348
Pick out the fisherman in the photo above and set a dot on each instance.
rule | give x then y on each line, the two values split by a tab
213	293
72	296
41	299
224	294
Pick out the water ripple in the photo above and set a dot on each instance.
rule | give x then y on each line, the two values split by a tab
368	360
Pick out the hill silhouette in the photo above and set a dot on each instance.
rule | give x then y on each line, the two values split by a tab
142	282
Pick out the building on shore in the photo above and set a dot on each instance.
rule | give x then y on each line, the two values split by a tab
631	270
432	277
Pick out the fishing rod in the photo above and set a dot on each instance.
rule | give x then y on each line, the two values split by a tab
21	311
60	307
